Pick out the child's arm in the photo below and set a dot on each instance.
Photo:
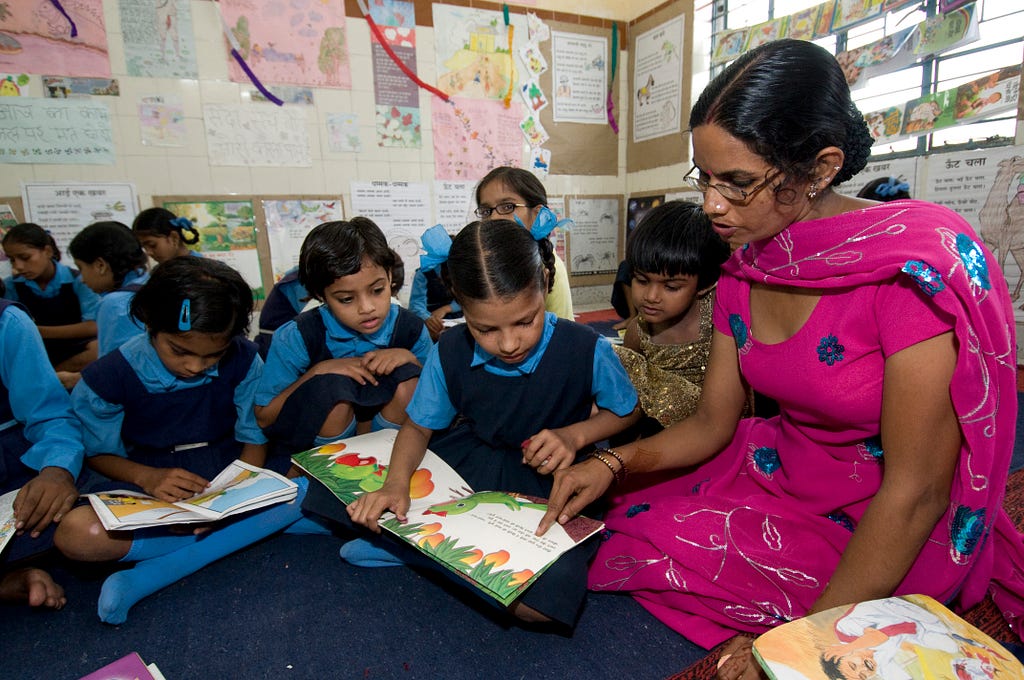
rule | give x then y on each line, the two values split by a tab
632	338
407	454
384	361
247	430
71	331
254	454
167	484
551	450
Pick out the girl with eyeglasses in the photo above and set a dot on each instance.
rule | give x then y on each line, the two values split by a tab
886	335
516	194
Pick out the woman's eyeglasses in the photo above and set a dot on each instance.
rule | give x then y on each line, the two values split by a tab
728	191
502	209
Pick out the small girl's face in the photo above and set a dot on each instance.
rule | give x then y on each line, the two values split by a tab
30	262
160	248
97	275
187	355
496	194
361	301
663	299
507	328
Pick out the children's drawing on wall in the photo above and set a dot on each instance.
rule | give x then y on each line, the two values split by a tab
540	162
63	87
1001	218
533	96
297	43
343	133
766	32
14	85
288	222
929	112
471	137
36	38
158	38
472	51
398	126
729	45
995	92
162	121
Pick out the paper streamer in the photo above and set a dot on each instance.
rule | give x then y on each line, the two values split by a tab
60	8
375	29
610	105
511	58
236	52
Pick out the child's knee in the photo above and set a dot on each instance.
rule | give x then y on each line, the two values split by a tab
338	420
79	534
404	392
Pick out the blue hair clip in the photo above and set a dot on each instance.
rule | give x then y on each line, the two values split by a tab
892	187
185	316
182	222
436	242
546	222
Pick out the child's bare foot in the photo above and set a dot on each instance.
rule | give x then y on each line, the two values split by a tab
32	586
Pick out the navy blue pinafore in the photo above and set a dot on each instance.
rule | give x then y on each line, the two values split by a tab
63	309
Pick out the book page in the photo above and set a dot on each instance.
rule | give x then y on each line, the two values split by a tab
134	509
7	523
238	486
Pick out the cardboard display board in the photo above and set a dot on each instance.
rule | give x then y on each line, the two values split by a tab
672	148
580	148
16	206
598	240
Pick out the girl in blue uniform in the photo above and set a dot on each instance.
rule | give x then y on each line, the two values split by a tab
40	454
355	357
164	235
287	299
62	306
164	413
524	384
430	298
113	265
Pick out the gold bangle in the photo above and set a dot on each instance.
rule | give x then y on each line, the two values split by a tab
598	456
622	464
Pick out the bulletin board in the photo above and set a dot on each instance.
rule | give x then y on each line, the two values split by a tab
580	148
15	203
595	249
670	148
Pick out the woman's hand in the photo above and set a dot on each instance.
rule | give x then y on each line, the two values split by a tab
737	661
171	484
574	489
368	508
547	451
384	361
352	367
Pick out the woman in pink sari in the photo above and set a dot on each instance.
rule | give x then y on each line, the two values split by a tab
885	333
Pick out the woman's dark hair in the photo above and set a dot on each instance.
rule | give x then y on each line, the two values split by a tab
219	299
163	222
335	249
498	259
885	189
521	181
787	100
676	238
112	241
31	235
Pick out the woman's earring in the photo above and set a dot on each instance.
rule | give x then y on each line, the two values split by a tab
814	190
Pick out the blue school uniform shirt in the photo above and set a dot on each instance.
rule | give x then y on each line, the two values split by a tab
432	408
114	324
38	401
289	359
101	420
418	296
87	299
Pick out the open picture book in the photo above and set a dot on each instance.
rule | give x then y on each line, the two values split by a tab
486	536
912	637
238	488
7	521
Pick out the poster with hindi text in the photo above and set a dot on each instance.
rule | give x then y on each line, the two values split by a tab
65	208
55	131
288	221
454	202
580	77
472	136
658	78
257	135
35	37
903	169
302	42
158	38
400	209
396	95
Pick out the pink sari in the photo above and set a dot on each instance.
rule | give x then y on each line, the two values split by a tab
750	538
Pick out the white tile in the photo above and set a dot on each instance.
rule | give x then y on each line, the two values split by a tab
189	175
229	179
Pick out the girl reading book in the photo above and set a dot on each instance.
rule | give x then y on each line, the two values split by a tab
531	391
164	413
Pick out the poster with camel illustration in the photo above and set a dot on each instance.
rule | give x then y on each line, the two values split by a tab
36	37
295	43
487	537
658	78
986	187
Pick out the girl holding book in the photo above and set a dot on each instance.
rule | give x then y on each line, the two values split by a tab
531	392
163	414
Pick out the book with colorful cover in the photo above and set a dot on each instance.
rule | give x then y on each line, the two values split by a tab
912	637
7	522
238	488
485	536
128	667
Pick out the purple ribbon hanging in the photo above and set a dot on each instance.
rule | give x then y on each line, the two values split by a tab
255	81
60	8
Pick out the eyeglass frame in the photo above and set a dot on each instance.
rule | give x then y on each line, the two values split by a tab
491	211
745	194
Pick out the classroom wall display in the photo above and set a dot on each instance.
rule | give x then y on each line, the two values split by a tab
261	135
397	98
454	203
55	131
227	232
903	169
471	136
65	208
158	38
400	209
10	209
162	121
299	43
288	220
594	242
68	38
580	75
885	55
474	51
637	206
849	13
659	87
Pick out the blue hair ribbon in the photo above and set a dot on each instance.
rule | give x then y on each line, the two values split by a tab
185	316
182	222
546	222
436	242
892	187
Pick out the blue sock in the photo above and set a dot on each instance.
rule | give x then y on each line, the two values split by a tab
187	555
349	431
360	552
381	423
